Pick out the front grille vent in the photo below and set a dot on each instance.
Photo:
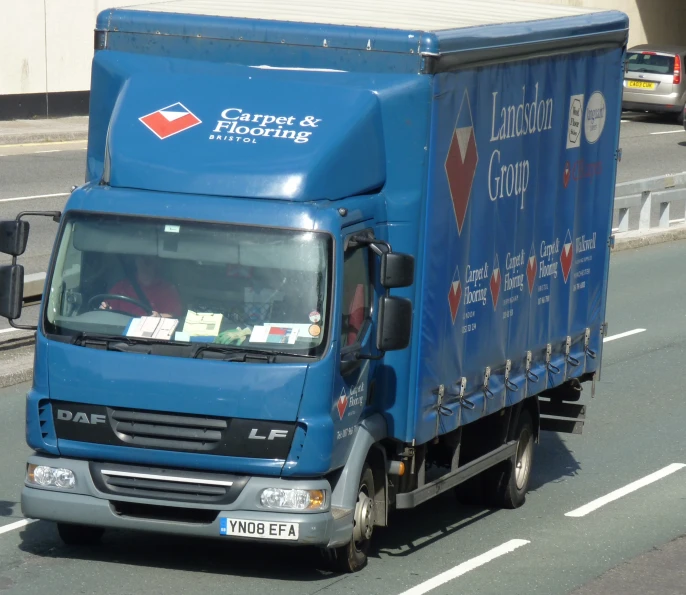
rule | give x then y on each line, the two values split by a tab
157	483
179	432
177	488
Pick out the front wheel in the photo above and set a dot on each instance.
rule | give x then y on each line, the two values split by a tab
79	534
353	557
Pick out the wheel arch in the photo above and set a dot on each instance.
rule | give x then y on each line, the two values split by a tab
365	449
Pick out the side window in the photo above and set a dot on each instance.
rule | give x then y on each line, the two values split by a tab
357	294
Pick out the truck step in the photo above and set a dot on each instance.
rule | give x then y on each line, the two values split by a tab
565	418
454	478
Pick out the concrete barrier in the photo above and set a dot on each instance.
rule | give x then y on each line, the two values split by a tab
644	211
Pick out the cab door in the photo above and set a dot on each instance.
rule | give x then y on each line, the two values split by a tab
353	385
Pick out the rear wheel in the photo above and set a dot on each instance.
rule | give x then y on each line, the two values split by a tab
510	481
680	117
79	534
353	557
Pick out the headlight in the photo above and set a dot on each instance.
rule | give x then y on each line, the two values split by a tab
293	499
44	476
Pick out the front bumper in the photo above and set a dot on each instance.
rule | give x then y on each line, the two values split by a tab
87	505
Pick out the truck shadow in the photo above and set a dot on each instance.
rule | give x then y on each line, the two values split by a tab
412	530
177	553
6	508
553	461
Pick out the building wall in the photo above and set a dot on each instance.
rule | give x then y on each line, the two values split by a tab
46	46
651	21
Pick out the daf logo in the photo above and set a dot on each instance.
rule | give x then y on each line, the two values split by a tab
81	418
274	434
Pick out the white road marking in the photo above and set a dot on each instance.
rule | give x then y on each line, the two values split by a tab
10	330
636	331
466	567
668	132
632	487
51	151
44	144
17	525
34	197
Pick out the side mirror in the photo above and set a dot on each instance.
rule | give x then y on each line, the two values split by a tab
11	291
395	323
13	237
397	270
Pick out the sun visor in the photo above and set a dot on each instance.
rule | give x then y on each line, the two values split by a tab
246	136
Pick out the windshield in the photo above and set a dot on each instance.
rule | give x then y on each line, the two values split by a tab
651	63
190	282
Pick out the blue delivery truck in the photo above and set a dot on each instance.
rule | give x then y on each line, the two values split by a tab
325	265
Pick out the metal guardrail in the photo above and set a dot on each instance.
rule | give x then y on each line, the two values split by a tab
645	195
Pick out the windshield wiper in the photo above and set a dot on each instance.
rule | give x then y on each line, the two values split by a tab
83	338
241	352
237	353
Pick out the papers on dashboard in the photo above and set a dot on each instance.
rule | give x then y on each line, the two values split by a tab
152	327
202	324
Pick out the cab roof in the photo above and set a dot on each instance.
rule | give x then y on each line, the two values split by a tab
415	29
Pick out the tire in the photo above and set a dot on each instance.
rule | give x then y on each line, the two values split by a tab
79	534
509	481
353	557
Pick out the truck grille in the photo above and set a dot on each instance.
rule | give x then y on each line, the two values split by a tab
155	430
166	484
178	432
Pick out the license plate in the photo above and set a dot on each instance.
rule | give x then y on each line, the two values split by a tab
641	85
259	529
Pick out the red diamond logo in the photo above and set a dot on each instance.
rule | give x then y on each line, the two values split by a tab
461	162
566	256
567	174
170	120
496	280
531	268
455	294
342	403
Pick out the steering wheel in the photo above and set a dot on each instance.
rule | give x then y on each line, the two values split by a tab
114	296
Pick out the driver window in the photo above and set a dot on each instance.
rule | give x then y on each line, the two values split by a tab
357	295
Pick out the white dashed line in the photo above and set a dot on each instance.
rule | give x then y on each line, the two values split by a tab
51	151
17	525
668	132
34	197
632	487
466	567
636	331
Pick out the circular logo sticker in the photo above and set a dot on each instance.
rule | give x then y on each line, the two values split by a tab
315	330
596	114
315	316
